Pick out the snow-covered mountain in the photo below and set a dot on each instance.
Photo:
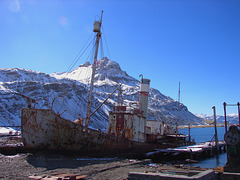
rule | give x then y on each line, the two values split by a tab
66	94
231	118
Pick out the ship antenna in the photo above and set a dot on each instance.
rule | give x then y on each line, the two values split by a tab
178	109
97	30
141	76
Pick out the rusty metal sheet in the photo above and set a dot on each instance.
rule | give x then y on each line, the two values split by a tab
130	126
44	129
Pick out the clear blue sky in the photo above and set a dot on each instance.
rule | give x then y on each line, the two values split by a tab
196	42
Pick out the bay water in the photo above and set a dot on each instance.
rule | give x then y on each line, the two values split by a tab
203	135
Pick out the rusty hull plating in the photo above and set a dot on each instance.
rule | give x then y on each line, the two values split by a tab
43	129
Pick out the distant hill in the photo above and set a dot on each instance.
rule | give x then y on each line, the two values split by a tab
231	118
66	94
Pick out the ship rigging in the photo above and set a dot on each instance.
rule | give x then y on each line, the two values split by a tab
129	131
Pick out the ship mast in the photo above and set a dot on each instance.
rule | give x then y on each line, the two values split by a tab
97	30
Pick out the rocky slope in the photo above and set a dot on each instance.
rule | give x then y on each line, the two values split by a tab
69	93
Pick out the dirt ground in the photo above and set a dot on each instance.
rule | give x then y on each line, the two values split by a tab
22	166
44	165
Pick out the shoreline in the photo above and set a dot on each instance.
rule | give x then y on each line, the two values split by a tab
200	126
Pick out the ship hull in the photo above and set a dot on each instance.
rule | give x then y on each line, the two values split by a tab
43	129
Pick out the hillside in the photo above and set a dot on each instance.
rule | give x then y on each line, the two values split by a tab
69	92
231	118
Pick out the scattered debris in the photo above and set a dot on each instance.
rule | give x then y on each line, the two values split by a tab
59	176
170	174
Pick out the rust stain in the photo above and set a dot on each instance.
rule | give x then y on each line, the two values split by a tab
56	133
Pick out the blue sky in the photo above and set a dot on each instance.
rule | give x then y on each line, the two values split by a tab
196	42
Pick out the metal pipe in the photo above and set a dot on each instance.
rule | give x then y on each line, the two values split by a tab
104	101
225	115
215	125
54	100
11	126
189	135
178	109
238	115
231	105
38	101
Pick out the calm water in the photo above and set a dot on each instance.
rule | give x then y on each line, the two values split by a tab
207	134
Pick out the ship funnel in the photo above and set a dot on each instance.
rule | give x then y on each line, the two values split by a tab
143	96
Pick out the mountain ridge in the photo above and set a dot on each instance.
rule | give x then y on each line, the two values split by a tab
69	93
231	118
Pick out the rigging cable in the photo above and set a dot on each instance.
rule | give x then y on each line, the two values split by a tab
78	55
101	50
87	59
106	43
91	54
87	78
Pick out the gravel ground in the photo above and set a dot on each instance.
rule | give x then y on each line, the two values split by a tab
21	166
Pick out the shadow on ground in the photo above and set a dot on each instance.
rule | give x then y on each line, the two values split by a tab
54	161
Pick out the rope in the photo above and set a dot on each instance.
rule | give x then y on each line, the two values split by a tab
101	46
90	55
106	43
76	59
79	56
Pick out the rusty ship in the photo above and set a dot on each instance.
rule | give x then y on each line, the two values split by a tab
129	131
